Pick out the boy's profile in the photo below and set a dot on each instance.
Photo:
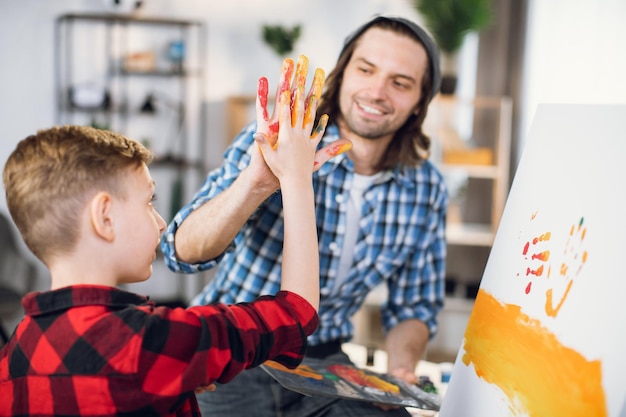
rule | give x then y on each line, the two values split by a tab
82	201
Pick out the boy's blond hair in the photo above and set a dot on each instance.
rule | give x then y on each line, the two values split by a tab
51	175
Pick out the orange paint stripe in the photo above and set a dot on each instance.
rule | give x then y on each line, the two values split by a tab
302	69
314	95
286	72
539	375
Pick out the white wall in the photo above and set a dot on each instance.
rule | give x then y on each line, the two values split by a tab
575	54
236	57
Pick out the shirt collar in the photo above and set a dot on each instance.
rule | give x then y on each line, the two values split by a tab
38	303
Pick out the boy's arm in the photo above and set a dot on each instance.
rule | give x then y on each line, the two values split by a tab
291	160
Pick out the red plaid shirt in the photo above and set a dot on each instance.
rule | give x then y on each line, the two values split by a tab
99	351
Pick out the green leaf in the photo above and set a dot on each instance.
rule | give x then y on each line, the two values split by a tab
450	20
280	38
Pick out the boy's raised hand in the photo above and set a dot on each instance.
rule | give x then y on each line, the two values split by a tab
291	154
269	126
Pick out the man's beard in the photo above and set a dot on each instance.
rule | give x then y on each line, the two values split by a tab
373	132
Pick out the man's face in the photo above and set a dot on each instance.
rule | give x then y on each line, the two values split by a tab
382	83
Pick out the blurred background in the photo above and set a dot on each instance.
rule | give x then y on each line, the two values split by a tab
181	76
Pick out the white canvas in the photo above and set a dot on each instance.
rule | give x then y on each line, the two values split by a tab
547	334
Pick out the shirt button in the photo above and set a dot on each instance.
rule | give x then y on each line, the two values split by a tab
339	198
333	247
324	291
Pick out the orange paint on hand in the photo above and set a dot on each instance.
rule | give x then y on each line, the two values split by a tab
299	84
283	100
273	134
314	94
339	149
294	108
302	69
286	72
538	374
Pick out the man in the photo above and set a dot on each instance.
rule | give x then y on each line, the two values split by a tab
380	211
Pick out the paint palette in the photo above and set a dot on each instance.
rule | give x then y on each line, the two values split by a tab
321	377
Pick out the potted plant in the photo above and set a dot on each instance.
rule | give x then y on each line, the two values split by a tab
449	21
280	38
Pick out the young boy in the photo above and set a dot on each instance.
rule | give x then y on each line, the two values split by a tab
82	201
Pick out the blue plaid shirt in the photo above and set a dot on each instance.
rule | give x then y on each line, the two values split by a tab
401	242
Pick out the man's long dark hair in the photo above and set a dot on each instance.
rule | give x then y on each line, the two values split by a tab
409	145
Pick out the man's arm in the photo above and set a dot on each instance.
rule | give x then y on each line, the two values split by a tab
208	230
406	345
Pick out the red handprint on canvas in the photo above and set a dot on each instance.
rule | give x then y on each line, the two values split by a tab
537	254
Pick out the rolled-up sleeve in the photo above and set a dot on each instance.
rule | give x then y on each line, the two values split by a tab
236	158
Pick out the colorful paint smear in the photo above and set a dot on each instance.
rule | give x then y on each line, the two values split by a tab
302	370
295	91
339	149
345	372
296	97
358	377
284	85
319	380
537	253
314	95
299	84
538	374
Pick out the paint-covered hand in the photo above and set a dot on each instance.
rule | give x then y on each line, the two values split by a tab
293	84
291	155
289	83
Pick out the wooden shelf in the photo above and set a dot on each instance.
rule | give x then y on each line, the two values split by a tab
127	18
90	49
482	122
473	171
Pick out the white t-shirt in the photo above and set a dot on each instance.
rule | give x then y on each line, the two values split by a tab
360	183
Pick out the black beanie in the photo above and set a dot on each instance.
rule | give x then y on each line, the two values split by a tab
431	48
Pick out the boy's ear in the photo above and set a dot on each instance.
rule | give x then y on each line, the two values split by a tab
101	216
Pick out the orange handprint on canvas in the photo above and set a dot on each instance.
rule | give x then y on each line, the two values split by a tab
537	255
574	257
